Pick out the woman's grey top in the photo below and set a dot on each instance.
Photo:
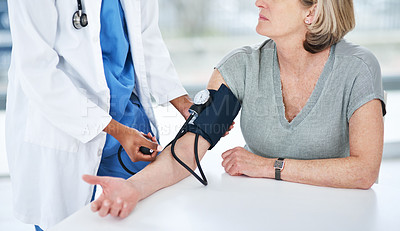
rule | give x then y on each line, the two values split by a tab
351	78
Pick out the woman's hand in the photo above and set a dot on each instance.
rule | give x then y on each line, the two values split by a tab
131	140
119	196
238	161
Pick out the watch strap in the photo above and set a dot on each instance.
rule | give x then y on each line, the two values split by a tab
277	174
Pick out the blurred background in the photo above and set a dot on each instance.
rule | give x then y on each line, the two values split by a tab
199	33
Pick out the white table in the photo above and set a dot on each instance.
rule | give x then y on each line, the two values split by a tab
242	203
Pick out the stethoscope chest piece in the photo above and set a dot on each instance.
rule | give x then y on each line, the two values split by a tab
79	20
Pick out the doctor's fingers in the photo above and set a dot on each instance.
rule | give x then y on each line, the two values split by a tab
139	156
151	137
148	143
147	157
229	129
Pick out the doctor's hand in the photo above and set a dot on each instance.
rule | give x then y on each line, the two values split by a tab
182	104
134	140
131	140
119	196
238	161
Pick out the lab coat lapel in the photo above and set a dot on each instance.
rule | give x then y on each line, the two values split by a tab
133	17
132	12
93	9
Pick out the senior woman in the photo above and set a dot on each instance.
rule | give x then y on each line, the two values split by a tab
308	97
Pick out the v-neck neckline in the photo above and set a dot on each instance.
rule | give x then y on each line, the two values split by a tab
311	101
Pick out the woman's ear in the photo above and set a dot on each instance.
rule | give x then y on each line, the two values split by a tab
310	15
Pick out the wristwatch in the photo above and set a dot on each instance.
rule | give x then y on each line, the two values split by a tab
278	166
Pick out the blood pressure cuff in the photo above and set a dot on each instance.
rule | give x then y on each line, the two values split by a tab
213	121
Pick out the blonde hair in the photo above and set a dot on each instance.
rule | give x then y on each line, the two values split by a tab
332	20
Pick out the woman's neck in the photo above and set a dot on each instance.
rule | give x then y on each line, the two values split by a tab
295	60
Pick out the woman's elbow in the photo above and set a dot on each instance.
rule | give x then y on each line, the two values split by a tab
367	177
366	185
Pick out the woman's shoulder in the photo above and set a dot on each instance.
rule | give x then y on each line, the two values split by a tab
353	53
248	53
364	79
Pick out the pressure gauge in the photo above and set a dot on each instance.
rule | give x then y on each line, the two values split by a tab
201	97
201	100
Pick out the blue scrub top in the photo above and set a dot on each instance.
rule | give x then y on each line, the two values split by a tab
125	106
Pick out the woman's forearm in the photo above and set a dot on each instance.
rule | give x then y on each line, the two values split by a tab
165	170
355	171
350	172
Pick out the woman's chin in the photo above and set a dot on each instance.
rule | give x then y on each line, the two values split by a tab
261	31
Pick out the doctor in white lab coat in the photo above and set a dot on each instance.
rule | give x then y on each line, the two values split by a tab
58	100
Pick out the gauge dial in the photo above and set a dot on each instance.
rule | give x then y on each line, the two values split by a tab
201	97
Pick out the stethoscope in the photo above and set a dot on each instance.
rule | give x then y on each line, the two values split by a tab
79	19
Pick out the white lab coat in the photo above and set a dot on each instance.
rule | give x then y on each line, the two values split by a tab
58	100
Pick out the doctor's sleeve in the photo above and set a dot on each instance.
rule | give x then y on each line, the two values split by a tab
162	77
34	66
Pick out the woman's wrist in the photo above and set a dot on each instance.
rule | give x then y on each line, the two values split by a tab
136	188
269	170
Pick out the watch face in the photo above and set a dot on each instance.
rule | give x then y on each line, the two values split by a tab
278	164
201	97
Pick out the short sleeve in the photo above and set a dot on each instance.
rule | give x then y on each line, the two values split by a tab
233	70
367	86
